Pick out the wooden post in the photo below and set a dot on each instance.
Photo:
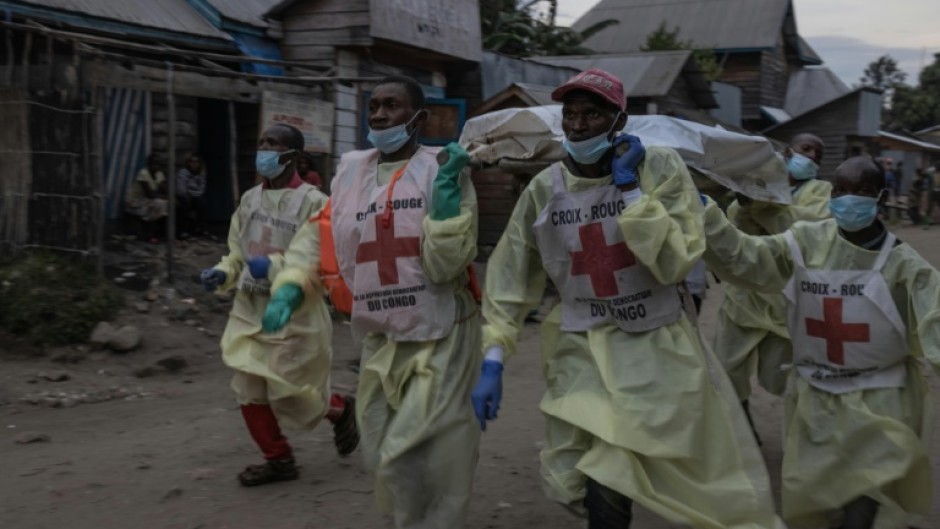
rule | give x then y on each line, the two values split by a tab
27	48
171	174
233	152
8	74
98	153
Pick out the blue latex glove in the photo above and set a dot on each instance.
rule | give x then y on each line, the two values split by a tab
212	278
281	307
625	165
704	199
445	197
488	392
258	266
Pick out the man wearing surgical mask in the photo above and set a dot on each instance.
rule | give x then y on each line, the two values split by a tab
862	309
281	379
636	409
751	335
404	223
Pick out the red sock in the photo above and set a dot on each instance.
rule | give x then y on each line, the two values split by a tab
337	407
265	431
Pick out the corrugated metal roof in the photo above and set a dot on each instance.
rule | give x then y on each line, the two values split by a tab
500	71
649	74
811	87
718	24
246	11
170	15
910	141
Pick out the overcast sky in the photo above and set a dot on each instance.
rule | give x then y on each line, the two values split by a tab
849	34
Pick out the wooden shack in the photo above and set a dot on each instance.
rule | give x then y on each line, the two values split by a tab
756	42
422	39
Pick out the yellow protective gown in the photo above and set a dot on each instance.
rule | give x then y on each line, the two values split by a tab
650	415
751	333
838	447
288	369
420	436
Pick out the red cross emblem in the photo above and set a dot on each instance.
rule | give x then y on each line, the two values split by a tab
263	247
600	260
386	249
834	331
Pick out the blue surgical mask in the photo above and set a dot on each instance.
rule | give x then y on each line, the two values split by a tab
590	150
391	139
268	163
854	212
801	167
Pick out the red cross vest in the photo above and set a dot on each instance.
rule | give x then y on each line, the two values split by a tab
378	235
846	330
266	232
600	280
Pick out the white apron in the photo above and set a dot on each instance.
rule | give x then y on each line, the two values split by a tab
378	236
846	330
600	280
266	232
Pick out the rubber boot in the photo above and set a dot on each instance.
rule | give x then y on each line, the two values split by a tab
860	514
607	509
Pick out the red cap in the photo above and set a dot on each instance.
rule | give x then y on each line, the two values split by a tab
598	82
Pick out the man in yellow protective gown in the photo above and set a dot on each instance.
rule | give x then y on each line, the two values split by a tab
751	332
636	409
405	232
862	307
281	379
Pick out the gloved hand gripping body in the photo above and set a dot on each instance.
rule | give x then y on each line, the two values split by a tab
488	392
281	307
625	165
212	278
445	197
258	265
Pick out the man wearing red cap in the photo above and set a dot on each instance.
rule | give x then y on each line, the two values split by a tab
635	408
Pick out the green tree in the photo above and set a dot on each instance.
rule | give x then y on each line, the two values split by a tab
918	107
664	39
529	28
883	73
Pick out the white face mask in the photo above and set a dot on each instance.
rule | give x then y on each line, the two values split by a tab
592	149
393	138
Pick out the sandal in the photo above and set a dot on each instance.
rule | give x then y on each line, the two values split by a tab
345	431
269	472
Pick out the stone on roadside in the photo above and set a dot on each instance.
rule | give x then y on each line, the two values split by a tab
54	376
145	372
151	296
31	437
172	363
142	306
102	334
126	339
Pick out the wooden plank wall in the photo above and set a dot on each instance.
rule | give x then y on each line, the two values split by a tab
774	76
313	29
497	193
743	70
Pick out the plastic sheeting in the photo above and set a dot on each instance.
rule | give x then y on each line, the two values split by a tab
745	164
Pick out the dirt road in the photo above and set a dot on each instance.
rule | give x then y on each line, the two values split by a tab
163	452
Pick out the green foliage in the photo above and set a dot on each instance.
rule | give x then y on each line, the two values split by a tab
54	300
915	108
883	73
525	29
664	39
